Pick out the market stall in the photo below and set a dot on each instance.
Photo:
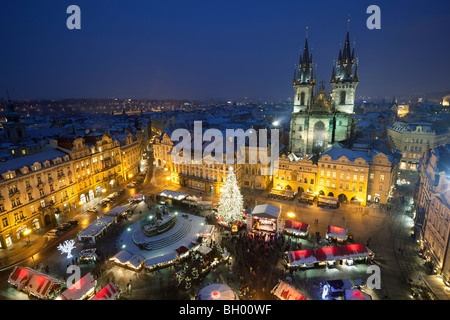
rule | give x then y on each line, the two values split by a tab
306	198
20	276
282	194
356	294
182	252
161	261
321	256
80	290
96	229
283	291
296	228
336	233
116	212
265	217
328	202
109	292
168	196
126	259
34	283
216	291
42	286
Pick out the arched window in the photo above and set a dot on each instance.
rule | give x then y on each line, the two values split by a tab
302	99
343	94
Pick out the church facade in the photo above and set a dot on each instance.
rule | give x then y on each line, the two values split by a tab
320	119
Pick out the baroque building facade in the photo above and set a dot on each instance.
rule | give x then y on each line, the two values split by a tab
432	204
36	189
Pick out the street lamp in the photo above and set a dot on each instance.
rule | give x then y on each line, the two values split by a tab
291	215
27	233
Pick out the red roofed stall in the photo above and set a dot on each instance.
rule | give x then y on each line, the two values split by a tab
110	292
283	291
34	283
307	258
296	228
336	233
80	290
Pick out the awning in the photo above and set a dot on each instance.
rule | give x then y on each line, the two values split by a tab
110	292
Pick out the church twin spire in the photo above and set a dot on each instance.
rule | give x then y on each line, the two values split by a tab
346	68
304	73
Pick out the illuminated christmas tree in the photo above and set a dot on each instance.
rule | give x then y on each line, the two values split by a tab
231	207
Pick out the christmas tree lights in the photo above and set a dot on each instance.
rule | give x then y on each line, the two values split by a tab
231	207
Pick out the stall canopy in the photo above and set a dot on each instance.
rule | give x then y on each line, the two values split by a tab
40	285
33	282
19	277
356	294
337	232
97	227
296	227
182	250
117	211
283	291
126	258
110	292
169	194
204	250
216	291
80	289
206	231
326	254
267	211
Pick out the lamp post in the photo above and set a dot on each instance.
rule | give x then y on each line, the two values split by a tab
27	233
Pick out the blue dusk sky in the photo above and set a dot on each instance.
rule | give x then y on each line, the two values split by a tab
216	49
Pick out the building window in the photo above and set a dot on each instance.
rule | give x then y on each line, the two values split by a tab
343	96
5	222
382	177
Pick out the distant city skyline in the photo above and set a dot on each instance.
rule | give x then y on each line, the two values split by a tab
216	51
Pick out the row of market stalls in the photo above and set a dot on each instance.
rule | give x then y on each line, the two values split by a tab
322	201
329	256
45	287
170	196
282	194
